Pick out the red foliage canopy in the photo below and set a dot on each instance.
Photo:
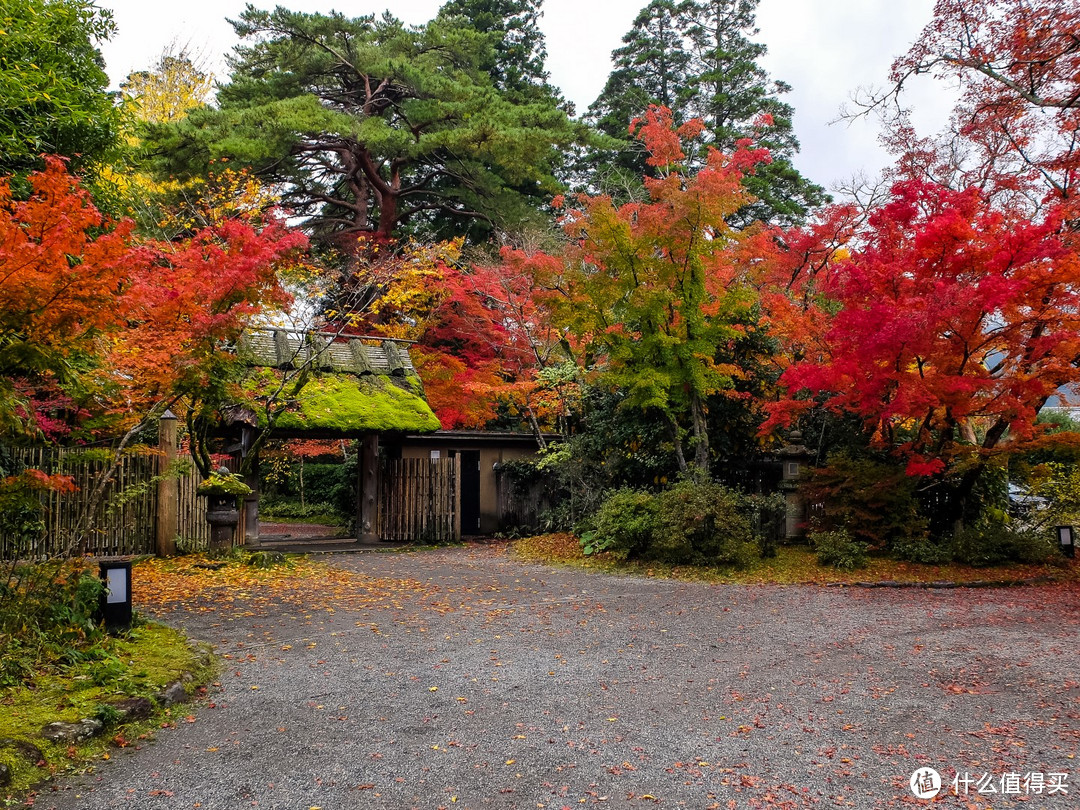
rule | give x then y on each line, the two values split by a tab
952	314
112	321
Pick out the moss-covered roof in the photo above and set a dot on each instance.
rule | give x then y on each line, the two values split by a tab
354	387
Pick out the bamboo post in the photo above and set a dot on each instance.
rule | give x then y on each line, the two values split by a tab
250	520
167	524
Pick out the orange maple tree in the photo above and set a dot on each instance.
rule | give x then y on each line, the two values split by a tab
90	311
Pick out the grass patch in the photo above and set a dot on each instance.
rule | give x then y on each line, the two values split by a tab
136	664
792	565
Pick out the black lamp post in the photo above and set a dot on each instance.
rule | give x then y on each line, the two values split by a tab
116	598
1066	541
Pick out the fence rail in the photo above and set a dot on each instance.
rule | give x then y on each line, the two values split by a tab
418	501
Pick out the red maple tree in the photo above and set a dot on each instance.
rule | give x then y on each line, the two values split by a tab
946	328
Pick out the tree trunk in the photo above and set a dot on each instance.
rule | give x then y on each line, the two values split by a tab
680	457
701	436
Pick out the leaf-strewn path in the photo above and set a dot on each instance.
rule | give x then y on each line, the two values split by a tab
465	679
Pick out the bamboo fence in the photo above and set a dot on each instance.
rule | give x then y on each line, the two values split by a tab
418	501
123	522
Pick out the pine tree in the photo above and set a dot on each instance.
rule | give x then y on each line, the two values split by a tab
376	129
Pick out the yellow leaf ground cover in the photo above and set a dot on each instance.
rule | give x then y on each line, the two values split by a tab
196	582
793	565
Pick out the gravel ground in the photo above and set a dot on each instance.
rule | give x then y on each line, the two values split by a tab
463	678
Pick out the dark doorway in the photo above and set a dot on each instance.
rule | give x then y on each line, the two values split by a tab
470	491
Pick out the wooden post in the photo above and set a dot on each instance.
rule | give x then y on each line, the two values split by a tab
167	523
250	520
457	497
367	518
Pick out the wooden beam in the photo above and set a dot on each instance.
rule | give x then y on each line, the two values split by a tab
379	338
367	518
457	497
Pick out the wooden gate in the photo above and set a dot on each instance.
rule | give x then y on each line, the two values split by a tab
419	500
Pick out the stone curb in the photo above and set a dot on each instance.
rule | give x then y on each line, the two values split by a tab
946	584
128	709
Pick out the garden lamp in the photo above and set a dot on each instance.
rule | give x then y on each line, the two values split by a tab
1066	541
116	598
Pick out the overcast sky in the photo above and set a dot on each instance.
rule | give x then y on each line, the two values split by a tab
825	49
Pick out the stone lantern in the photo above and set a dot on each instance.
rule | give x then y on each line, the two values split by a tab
795	458
222	491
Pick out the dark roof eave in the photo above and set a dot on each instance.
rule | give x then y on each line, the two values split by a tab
476	436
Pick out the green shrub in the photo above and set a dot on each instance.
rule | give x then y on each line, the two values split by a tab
838	549
983	546
689	523
702	523
1033	548
768	516
624	526
292	509
47	617
922	549
108	715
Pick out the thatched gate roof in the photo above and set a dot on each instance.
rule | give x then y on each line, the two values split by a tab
352	385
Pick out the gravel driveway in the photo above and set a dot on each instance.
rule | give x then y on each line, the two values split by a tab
476	681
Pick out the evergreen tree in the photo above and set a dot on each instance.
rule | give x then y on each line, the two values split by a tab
651	67
734	95
374	129
516	62
53	88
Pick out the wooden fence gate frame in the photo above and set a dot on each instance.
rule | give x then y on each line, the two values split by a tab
420	500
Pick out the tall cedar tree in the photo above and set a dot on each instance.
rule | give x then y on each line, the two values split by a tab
697	58
651	67
53	87
373	128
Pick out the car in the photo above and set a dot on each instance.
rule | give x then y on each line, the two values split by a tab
1023	503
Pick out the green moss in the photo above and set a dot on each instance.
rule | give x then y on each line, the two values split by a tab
223	485
140	664
348	404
